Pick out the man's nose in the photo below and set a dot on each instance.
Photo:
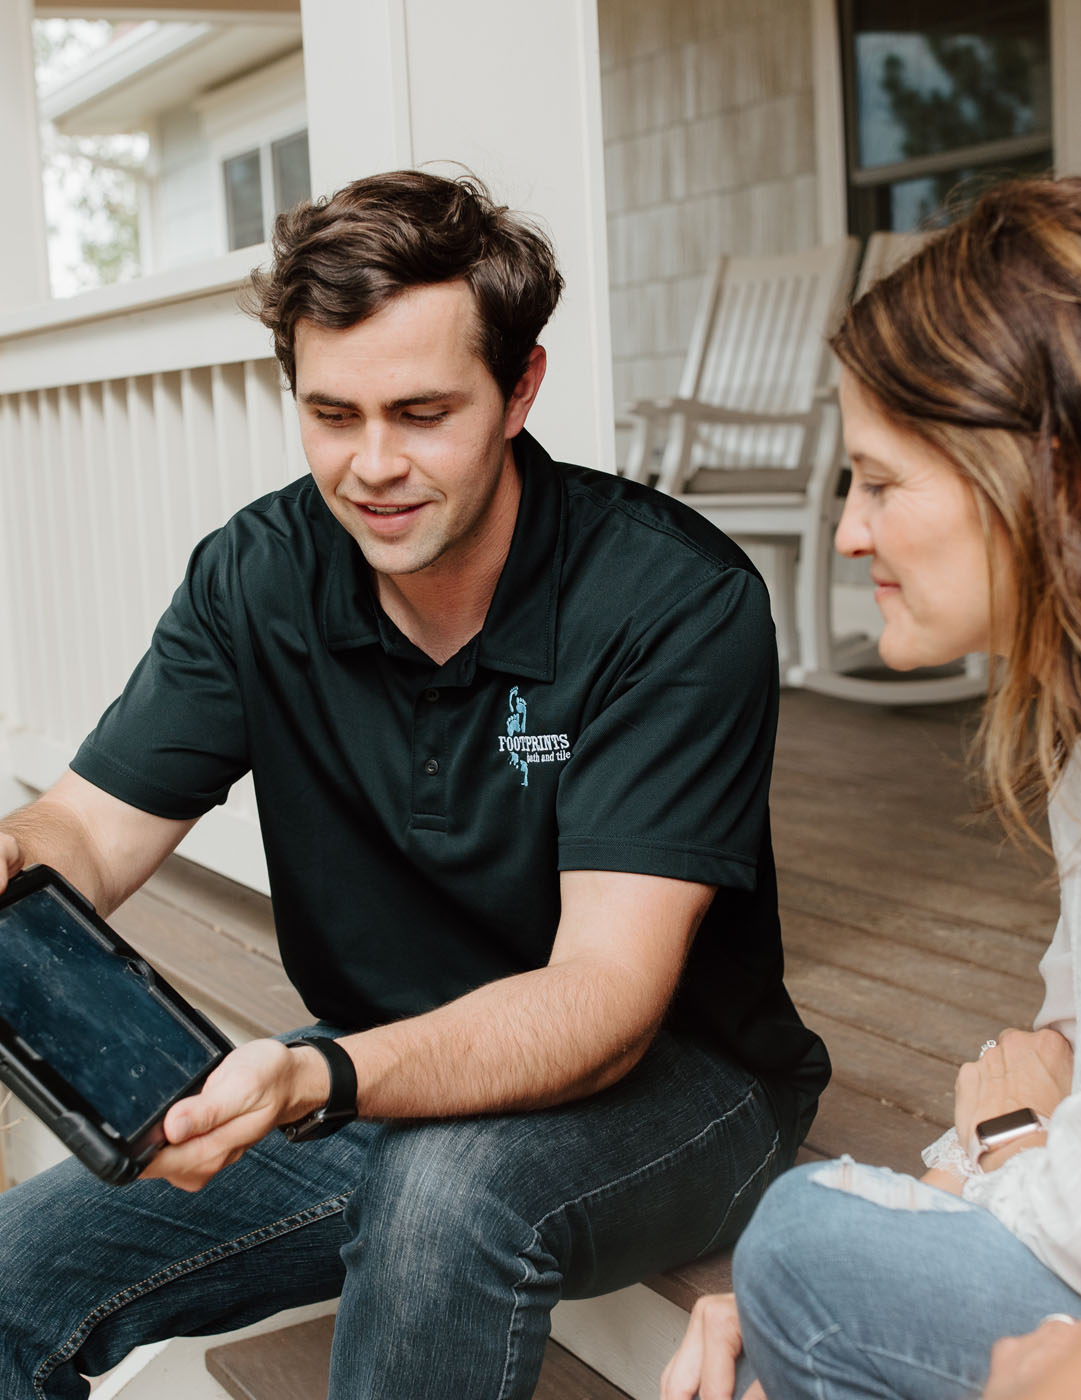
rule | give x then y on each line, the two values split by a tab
377	458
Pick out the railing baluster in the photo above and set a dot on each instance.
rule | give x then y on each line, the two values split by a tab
100	626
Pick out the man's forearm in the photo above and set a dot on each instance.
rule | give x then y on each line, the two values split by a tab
47	832
105	847
540	1038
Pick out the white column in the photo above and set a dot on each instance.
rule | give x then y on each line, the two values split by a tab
356	77
511	89
24	275
829	121
1066	85
24	278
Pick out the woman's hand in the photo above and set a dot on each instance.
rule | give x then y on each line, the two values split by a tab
1044	1365
705	1364
1026	1069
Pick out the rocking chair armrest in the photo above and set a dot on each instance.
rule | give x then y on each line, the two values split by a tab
697	411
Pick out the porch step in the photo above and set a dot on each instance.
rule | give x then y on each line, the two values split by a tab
294	1364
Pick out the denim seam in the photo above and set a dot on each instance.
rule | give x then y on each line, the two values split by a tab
178	1269
766	1161
513	1327
536	1238
656	1162
808	1351
906	1359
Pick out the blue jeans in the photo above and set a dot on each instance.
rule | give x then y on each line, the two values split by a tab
448	1241
899	1297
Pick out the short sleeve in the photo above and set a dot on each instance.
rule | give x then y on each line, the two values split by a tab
671	775
175	740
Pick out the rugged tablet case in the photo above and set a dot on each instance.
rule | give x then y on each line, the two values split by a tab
113	1157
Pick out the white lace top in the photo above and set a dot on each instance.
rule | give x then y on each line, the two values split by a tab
1037	1193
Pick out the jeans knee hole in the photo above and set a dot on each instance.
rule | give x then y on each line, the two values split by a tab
886	1188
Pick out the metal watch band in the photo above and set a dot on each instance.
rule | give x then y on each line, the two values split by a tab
341	1105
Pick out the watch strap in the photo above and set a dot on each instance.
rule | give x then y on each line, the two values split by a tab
341	1105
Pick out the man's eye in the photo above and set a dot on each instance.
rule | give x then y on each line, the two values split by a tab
425	419
326	417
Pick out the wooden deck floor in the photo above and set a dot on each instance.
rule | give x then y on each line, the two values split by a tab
911	934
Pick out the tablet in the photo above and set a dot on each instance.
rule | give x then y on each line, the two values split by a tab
92	1039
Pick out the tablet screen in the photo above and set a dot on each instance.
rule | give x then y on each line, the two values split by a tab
89	1015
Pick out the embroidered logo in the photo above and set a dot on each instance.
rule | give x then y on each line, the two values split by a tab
524	748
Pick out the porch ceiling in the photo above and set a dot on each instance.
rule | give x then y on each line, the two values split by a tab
220	10
155	67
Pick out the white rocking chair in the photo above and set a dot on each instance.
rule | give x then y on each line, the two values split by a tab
753	441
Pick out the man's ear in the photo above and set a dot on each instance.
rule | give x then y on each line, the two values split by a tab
524	392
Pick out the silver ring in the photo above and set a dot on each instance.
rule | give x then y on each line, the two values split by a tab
987	1045
1057	1317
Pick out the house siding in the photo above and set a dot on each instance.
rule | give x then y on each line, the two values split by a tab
709	148
184	222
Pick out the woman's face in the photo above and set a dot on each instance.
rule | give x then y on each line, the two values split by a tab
911	512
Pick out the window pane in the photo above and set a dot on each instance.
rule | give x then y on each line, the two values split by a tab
244	200
292	180
918	203
932	77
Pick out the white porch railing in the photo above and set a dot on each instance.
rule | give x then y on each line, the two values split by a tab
132	421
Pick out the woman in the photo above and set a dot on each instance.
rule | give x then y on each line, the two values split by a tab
961	395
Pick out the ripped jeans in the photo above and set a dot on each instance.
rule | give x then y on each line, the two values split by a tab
857	1282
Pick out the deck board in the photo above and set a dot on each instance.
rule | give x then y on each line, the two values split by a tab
912	931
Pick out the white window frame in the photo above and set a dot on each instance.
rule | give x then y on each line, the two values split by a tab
1065	17
251	114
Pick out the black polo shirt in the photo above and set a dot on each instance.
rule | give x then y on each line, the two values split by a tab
615	712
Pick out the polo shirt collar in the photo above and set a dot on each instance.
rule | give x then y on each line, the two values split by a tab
519	633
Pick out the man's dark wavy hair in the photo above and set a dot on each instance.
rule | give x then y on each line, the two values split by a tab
339	260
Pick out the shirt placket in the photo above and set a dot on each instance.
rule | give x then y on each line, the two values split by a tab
431	758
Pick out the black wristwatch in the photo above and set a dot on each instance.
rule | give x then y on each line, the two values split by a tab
341	1105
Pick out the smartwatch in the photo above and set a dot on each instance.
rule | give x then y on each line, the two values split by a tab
341	1105
993	1133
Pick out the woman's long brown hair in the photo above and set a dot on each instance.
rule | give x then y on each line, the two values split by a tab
975	345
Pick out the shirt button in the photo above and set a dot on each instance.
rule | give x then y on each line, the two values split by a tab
431	767
431	696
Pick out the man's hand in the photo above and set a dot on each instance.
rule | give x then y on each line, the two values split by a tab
705	1364
1044	1365
253	1090
1026	1069
12	859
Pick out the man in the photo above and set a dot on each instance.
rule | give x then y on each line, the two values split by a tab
510	725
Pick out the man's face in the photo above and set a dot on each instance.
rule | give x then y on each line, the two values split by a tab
407	434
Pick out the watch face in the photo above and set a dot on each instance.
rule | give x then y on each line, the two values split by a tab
1007	1126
